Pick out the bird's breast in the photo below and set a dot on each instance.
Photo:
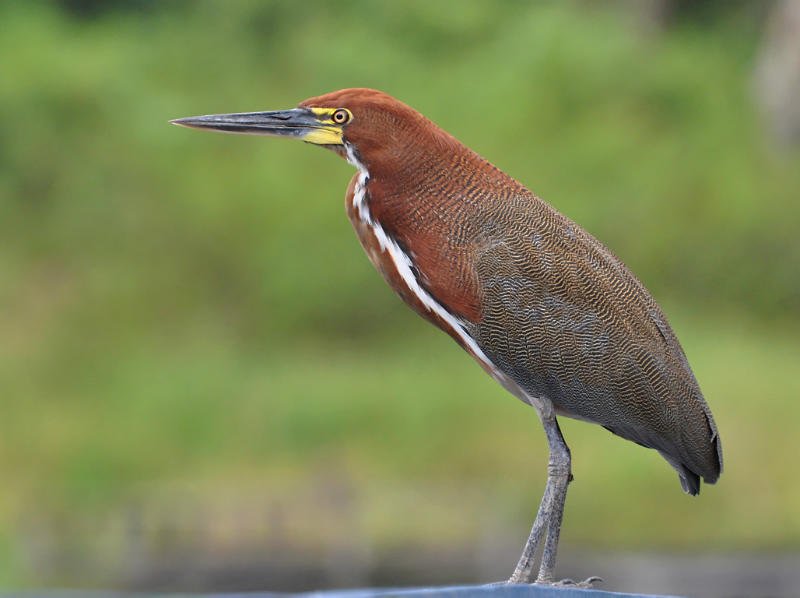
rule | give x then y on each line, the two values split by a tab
394	262
398	267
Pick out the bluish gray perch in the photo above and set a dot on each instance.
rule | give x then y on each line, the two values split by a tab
486	591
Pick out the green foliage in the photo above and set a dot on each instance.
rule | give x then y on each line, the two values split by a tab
180	304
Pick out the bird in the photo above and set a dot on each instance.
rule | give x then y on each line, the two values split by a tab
545	308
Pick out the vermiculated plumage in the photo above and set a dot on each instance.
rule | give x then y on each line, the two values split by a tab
566	319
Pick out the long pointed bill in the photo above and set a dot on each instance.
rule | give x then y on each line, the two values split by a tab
300	123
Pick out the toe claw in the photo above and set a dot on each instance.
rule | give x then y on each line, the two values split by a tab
589	582
586	584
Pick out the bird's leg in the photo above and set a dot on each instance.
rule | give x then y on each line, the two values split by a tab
551	509
524	571
559	471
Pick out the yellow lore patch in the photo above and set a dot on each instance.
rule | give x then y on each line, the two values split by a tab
331	135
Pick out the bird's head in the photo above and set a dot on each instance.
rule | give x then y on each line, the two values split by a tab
363	125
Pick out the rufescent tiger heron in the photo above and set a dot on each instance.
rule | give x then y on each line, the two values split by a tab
544	307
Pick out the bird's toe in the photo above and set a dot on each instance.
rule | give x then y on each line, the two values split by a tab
587	583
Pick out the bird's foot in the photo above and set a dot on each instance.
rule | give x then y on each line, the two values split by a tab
586	584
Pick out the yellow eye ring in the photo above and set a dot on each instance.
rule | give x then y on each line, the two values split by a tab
341	116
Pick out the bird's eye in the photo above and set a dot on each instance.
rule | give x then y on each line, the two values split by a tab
340	116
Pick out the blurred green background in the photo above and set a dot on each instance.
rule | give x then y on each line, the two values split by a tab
196	358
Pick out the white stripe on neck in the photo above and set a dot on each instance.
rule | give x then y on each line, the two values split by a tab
403	262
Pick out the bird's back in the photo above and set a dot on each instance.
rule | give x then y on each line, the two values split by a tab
567	320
